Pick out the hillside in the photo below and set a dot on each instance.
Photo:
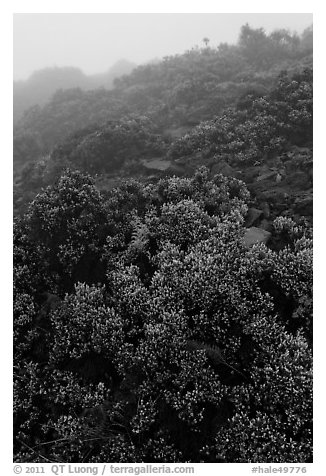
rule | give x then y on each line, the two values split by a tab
39	88
224	108
175	94
163	262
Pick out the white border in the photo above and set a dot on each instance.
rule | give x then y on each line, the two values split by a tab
319	184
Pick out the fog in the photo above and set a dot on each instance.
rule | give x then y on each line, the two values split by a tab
95	41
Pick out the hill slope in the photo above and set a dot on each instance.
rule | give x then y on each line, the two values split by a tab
245	110
163	262
38	89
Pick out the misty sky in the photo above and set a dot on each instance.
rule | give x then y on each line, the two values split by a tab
95	41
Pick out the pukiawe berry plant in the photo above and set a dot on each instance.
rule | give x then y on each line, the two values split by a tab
147	331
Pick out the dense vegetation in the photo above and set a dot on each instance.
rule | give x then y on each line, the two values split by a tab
146	330
182	90
163	262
